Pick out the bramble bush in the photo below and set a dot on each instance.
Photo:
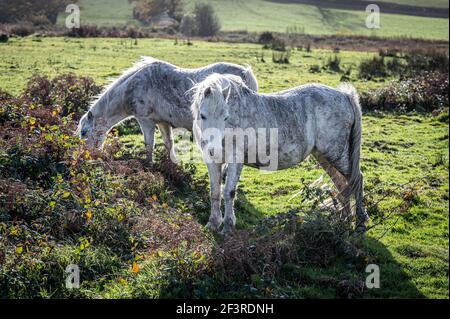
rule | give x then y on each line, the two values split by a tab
390	63
70	93
425	92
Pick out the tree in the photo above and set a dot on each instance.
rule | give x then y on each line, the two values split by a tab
207	22
188	26
12	11
145	10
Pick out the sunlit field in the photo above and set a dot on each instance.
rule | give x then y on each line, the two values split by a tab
265	15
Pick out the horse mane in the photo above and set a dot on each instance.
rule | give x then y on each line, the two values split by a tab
217	83
126	74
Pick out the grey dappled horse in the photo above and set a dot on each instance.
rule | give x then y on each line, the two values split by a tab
310	119
153	92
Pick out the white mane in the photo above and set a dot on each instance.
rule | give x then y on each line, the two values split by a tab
218	84
137	66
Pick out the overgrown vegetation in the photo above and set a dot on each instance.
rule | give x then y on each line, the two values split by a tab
63	203
334	63
425	92
392	63
421	81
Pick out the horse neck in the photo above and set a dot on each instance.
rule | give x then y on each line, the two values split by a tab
109	109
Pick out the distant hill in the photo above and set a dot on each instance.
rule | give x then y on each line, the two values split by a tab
278	15
404	8
420	3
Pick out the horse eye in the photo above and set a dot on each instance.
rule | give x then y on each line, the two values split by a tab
202	117
226	118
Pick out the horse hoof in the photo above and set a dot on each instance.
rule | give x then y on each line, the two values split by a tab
228	227
212	227
149	163
361	229
227	231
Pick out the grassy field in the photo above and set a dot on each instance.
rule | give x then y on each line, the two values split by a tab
421	3
262	15
104	12
412	249
104	59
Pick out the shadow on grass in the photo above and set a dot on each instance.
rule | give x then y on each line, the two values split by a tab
394	281
342	276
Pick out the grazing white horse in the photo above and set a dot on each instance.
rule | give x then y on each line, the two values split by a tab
153	92
310	119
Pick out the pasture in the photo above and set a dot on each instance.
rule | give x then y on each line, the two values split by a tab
410	248
277	16
105	59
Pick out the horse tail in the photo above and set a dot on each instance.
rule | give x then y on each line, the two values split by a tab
356	177
250	78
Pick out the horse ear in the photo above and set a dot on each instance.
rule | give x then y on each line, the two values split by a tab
90	116
207	92
226	93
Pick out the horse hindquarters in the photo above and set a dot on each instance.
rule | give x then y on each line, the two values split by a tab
339	154
356	177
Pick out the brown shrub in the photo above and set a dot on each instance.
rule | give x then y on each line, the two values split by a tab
425	92
313	238
69	92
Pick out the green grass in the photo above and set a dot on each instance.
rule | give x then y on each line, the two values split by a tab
412	255
262	15
420	3
104	59
104	12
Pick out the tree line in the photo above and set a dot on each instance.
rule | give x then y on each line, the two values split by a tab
201	21
36	12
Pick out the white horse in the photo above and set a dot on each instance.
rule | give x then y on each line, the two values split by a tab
153	92
310	119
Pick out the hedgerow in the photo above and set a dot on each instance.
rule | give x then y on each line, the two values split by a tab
425	92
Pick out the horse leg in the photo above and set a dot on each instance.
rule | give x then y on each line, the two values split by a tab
229	193
215	219
148	128
224	172
339	181
166	134
343	166
361	215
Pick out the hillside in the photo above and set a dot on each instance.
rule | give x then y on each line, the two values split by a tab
259	15
420	3
265	15
385	7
